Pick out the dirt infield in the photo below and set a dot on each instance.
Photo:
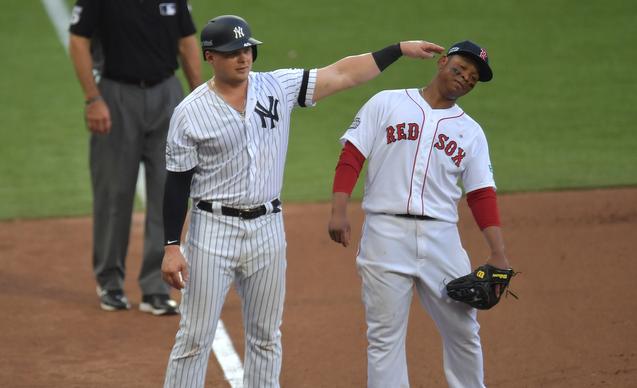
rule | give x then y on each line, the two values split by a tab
575	324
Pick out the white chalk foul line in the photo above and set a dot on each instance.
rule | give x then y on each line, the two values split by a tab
227	357
222	346
60	17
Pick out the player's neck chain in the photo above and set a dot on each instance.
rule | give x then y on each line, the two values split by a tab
436	103
212	86
422	93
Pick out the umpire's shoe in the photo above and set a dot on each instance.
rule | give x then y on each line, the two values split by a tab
158	304
112	300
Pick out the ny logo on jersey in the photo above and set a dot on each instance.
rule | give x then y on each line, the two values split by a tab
271	113
398	133
450	149
238	32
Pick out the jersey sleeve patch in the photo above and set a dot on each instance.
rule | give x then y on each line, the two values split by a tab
364	129
355	123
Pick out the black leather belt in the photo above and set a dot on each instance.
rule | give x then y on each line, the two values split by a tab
416	217
142	83
246	214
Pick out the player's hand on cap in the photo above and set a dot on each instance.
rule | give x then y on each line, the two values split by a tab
98	117
339	229
420	49
174	269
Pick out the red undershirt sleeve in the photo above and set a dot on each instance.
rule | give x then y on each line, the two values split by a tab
348	168
484	207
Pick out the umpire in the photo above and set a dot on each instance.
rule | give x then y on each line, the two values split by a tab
127	112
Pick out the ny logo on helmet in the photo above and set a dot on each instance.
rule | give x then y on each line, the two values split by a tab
238	32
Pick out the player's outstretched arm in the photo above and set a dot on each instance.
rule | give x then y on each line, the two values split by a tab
355	70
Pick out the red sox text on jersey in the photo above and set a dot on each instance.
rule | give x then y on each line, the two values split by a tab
397	132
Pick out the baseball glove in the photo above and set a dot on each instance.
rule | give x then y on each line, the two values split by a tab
482	288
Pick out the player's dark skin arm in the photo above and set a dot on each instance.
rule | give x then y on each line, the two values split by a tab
497	258
339	227
493	235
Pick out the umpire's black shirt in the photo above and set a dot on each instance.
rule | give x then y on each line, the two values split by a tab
139	38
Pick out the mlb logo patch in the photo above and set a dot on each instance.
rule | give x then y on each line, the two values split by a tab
167	9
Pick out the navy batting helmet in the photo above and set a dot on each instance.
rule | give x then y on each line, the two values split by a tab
228	33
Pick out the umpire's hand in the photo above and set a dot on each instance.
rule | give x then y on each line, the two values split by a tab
174	269
98	117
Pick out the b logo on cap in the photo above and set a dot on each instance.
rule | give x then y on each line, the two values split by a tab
483	54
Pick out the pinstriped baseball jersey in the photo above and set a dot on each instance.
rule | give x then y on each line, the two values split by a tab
437	148
239	159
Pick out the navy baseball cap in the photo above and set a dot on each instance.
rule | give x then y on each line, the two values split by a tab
478	54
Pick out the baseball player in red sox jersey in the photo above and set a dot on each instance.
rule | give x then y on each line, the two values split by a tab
226	149
419	143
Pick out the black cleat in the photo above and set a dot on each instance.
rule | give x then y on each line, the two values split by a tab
158	304
112	300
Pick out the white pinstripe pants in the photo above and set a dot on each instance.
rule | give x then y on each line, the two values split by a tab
221	250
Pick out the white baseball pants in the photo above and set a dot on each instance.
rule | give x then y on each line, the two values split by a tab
221	250
397	255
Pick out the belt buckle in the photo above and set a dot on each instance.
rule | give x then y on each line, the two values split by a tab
248	214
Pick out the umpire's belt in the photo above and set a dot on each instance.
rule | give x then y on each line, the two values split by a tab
142	83
246	214
416	217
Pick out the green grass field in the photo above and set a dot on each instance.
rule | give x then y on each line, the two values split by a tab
557	114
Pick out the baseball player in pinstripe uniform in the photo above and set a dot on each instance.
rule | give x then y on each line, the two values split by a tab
226	150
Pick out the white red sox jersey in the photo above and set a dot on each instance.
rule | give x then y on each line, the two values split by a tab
417	155
239	159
